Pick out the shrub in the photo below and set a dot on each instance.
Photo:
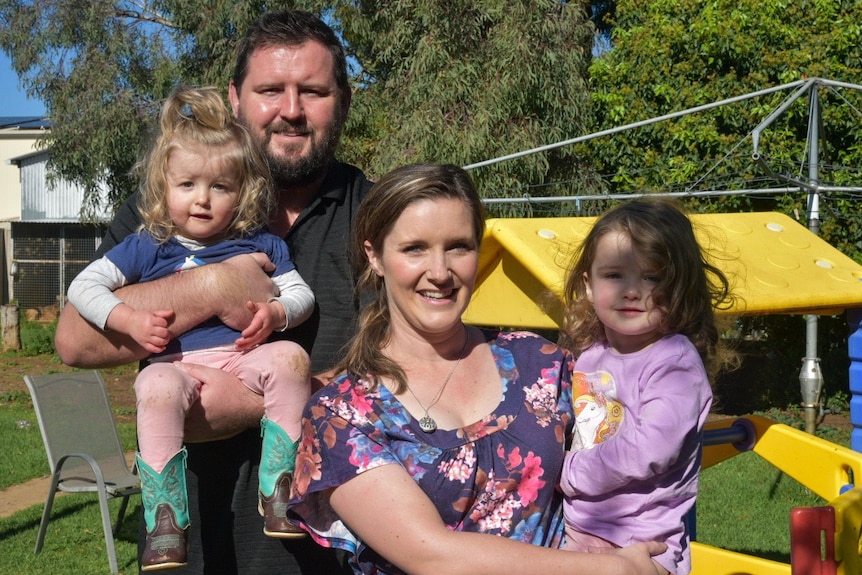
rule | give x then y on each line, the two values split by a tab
37	338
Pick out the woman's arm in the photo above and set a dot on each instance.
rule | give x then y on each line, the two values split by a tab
215	290
387	510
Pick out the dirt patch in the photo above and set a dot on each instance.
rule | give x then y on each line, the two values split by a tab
22	496
839	421
33	492
119	381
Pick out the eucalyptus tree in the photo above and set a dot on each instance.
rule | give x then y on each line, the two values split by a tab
435	80
464	82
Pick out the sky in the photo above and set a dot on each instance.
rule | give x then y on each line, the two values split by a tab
13	100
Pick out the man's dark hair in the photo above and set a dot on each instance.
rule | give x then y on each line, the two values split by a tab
290	28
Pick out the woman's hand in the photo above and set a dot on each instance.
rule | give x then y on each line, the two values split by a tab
639	557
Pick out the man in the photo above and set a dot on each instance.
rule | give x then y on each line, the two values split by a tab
290	88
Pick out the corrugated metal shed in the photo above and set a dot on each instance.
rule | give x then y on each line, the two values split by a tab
24	123
41	200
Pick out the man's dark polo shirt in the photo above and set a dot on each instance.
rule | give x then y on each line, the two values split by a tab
318	243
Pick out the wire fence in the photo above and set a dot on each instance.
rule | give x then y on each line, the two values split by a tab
46	257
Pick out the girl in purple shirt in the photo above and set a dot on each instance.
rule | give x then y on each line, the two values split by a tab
639	309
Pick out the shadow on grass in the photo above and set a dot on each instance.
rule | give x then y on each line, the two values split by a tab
744	506
74	542
28	520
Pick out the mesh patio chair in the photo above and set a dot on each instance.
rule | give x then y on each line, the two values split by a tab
83	446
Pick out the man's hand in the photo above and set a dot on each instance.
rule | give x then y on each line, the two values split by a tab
226	405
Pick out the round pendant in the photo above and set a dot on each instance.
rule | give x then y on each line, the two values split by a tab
427	424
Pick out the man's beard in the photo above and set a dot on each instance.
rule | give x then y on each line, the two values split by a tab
299	171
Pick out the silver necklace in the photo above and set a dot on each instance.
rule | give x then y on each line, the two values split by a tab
427	423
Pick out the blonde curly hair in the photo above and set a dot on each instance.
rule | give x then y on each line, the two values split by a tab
197	119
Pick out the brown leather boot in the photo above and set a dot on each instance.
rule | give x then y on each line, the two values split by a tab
166	544
166	513
275	475
275	521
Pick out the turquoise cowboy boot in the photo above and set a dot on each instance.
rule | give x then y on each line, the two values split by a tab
275	475
166	513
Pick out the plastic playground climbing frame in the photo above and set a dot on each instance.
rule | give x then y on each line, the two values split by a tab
776	266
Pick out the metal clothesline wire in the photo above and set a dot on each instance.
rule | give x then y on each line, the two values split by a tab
527	199
801	86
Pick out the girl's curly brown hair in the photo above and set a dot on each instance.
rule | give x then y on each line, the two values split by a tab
690	288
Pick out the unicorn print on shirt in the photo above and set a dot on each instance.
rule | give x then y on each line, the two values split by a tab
190	262
598	412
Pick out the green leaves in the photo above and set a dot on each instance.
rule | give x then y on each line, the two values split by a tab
673	55
472	80
447	81
464	82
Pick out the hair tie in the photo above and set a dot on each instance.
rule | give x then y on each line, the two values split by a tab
187	112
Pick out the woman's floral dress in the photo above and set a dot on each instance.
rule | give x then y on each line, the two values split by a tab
496	476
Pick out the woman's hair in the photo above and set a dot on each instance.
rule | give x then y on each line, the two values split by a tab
689	287
376	217
197	120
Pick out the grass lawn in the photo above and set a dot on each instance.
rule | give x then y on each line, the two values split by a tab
74	543
744	505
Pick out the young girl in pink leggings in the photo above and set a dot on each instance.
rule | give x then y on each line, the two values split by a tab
206	197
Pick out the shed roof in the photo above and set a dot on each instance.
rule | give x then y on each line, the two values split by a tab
24	123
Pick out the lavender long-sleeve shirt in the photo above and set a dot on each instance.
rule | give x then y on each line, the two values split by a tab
632	473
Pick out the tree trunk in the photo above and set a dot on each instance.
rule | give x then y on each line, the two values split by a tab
9	327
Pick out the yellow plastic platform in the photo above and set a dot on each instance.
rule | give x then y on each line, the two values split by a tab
776	265
827	469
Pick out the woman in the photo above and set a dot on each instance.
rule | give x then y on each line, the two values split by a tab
438	433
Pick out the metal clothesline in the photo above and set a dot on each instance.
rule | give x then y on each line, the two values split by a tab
810	377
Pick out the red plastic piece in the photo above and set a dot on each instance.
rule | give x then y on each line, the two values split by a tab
812	541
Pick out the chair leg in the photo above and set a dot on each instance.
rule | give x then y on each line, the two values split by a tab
46	512
109	534
121	514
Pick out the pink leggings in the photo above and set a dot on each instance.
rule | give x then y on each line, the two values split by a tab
279	371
